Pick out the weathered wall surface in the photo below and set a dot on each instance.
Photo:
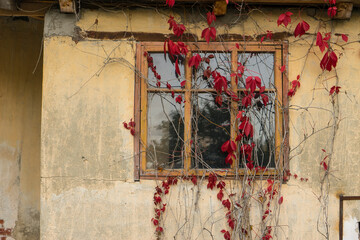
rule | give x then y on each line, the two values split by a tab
87	186
20	116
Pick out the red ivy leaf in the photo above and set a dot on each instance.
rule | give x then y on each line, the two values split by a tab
262	39
325	166
282	69
252	82
281	200
208	33
220	195
182	84
301	28
195	61
344	37
194	180
284	18
329	61
335	89
332	11
229	146
322	42
177	67
159	229
170	3
178	99
226	203
210	17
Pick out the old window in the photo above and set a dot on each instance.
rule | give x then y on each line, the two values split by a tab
184	121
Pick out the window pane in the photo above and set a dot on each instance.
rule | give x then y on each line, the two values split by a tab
221	62
263	120
210	129
166	69
258	65
165	132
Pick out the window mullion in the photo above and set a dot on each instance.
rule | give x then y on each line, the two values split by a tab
234	104
187	115
278	108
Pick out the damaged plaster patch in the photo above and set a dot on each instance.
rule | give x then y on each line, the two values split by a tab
57	24
10	184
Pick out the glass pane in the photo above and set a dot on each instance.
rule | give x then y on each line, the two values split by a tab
258	65
221	62
165	132
210	129
166	69
263	120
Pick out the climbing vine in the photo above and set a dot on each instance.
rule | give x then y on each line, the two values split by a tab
237	194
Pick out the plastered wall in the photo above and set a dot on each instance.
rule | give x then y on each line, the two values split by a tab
20	116
87	183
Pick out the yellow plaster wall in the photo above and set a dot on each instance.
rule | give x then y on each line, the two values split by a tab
87	166
20	115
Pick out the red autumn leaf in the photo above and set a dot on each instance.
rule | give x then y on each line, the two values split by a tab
322	42
240	114
281	200
265	99
210	17
155	221
172	94
226	203
332	11
194	180
237	45
282	69
182	83
219	100
159	229
334	89
182	47
208	33
220	82
211	181
231	223
344	37
168	86
284	18
178	99
246	101
229	158
252	82
229	146
325	166
269	34
220	195
247	128
195	61
329	61
179	30
221	185
170	3
301	28
226	234
126	125
158	84
262	39
177	69
132	131
157	199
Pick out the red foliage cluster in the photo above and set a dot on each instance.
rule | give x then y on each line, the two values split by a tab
294	86
209	32
301	28
130	126
178	29
334	89
329	61
284	18
332	8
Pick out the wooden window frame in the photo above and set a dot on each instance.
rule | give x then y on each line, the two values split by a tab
280	51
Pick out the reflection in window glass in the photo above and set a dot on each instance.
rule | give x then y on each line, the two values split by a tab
221	62
210	129
258	65
165	132
263	120
166	69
